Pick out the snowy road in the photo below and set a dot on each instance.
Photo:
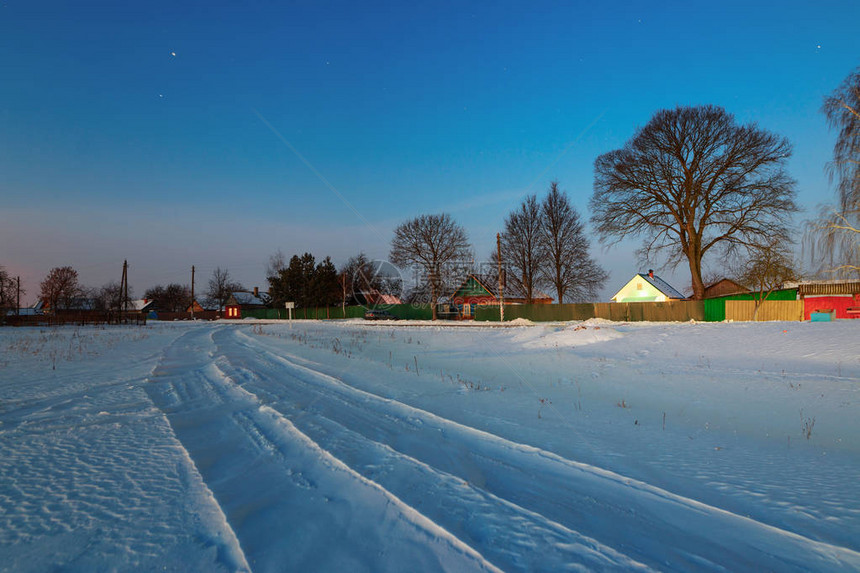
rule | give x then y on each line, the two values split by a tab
307	449
519	507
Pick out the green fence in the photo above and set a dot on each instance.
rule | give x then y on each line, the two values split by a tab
715	308
402	311
411	311
306	313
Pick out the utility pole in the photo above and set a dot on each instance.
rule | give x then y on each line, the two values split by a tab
501	278
18	298
123	288
192	292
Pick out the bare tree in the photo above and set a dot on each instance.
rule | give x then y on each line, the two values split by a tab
8	293
568	266
834	237
172	298
60	288
693	181
221	287
430	242
277	263
111	296
766	269
523	245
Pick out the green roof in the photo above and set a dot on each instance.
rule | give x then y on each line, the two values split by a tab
472	287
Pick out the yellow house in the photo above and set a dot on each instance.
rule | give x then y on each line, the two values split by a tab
647	287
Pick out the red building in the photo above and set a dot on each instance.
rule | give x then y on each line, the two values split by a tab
841	298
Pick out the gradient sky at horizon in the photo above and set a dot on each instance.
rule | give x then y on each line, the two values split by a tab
213	134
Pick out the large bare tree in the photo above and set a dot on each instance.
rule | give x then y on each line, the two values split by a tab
60	288
430	242
523	245
834	237
221	286
693	182
568	267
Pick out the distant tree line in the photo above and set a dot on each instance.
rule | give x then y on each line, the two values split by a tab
61	290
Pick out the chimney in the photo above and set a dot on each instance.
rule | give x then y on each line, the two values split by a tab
256	291
650	273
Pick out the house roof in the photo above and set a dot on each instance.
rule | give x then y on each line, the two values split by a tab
140	304
245	298
831	287
725	286
26	311
376	297
656	282
662	286
203	305
513	289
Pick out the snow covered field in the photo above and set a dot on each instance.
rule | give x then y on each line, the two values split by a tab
349	446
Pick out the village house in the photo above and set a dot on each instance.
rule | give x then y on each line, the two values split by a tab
245	300
484	290
647	287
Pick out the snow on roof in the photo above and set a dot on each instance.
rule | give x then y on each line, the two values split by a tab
662	286
140	304
825	287
245	298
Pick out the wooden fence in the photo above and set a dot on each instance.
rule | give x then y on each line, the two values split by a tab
672	311
743	310
78	318
203	315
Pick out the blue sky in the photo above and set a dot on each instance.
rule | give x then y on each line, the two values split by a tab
213	134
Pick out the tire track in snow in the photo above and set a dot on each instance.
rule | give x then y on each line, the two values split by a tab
290	503
513	537
645	522
168	391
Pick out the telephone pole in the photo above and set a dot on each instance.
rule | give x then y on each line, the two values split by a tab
18	298
501	278
192	292
123	288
